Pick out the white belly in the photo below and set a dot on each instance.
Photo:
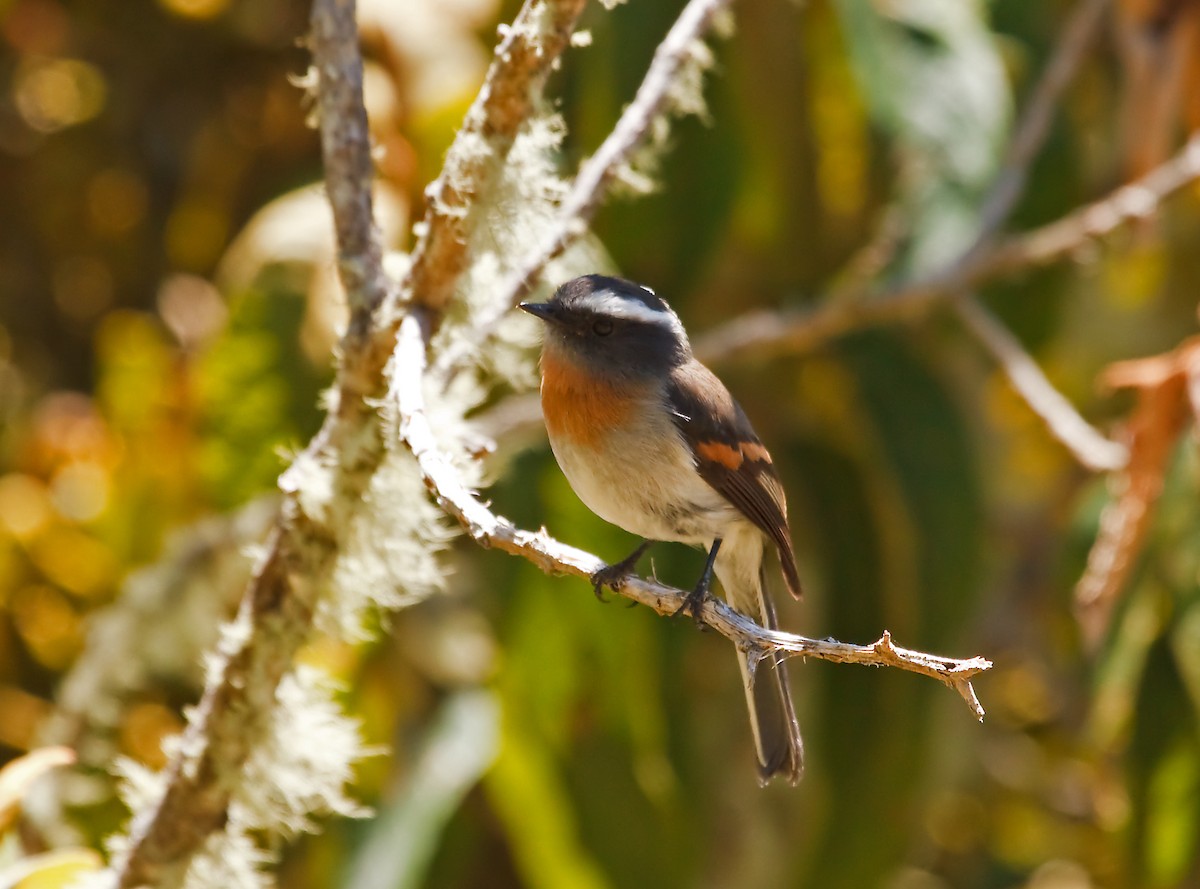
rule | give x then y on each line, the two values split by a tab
656	495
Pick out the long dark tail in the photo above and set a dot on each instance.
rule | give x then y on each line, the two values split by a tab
777	738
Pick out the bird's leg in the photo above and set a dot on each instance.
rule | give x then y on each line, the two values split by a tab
610	575
695	599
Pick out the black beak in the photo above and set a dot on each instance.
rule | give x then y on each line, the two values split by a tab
545	311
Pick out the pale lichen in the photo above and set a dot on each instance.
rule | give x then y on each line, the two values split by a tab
285	783
388	549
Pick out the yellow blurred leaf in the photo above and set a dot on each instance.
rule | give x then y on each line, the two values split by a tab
24	505
53	94
142	733
48	624
51	870
76	561
134	360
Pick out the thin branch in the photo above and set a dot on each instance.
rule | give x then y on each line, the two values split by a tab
405	375
346	152
1034	126
871	259
777	332
763	334
1089	446
1131	203
591	184
596	175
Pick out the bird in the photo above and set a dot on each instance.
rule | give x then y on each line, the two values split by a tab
653	442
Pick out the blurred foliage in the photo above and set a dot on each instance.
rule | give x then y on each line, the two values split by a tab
58	869
165	322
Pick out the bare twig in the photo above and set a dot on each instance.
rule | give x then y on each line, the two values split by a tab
1088	444
485	527
1034	125
870	260
1136	201
1064	422
596	175
763	334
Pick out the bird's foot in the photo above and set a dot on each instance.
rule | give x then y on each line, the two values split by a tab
612	575
694	603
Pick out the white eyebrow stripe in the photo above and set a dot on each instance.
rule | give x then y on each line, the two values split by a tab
609	303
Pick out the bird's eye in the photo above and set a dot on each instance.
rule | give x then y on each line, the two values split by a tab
602	326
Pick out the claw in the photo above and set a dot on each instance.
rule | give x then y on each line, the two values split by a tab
606	576
612	575
694	603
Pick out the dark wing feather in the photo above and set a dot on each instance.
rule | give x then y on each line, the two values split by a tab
731	458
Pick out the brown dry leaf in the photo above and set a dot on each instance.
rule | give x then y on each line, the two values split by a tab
1163	384
1159	47
17	777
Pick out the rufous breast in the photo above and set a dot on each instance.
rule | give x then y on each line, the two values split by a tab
577	405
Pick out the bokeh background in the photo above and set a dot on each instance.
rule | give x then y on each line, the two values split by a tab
167	312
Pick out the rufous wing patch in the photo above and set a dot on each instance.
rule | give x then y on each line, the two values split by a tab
718	452
754	451
732	456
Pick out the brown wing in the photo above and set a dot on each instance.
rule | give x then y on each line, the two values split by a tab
731	458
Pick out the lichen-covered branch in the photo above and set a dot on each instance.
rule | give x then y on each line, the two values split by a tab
523	59
654	98
334	471
194	804
346	153
405	376
277	611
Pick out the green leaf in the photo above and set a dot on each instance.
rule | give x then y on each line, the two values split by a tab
537	814
934	81
460	745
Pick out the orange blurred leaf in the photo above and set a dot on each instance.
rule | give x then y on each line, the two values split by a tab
1163	384
1159	48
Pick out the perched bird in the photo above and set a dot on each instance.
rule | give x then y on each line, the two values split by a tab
653	442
